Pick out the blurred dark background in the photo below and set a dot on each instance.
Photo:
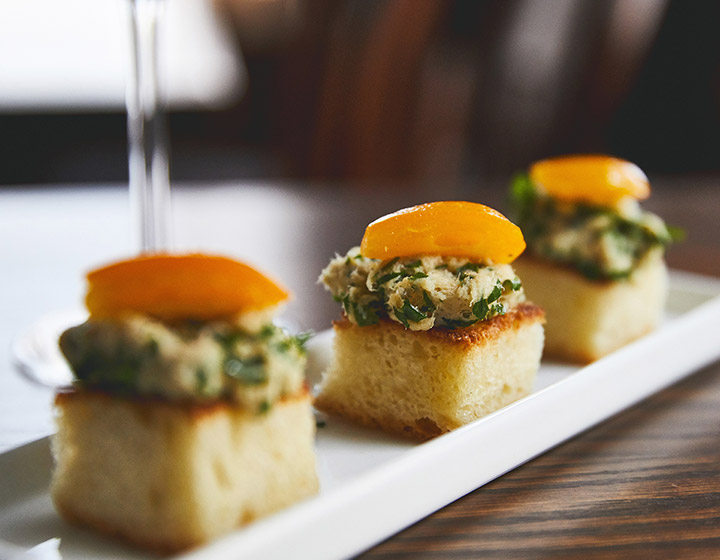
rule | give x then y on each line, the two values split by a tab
421	92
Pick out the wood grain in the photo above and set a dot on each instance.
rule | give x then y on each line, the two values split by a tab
645	483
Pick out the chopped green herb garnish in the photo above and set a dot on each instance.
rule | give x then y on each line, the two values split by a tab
496	293
365	316
515	284
480	309
412	313
201	380
604	244
301	339
284	346
401	317
347	306
267	331
522	196
462	272
152	347
497	309
390	263
228	339
250	371
677	234
459	323
386	278
429	306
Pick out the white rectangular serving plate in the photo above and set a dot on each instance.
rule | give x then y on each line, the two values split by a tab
373	485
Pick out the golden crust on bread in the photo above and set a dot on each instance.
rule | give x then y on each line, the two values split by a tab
170	476
483	330
422	384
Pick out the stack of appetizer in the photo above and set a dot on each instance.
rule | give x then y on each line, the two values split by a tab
436	330
595	257
189	414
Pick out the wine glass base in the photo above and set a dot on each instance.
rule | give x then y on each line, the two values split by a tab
35	352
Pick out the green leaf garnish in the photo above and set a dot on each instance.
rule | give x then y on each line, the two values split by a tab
365	315
229	339
401	317
152	348
301	339
386	278
412	313
522	195
428	306
497	309
677	234
201	380
390	263
458	323
480	309
496	293
462	272
267	331
512	285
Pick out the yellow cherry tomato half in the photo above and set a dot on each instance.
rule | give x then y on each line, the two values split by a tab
447	228
595	179
171	287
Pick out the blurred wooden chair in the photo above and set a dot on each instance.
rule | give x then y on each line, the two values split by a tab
399	104
369	121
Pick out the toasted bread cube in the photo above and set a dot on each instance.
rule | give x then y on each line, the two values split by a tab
423	383
169	476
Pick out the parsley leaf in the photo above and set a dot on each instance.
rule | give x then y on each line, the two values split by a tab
401	317
412	313
496	293
480	309
515	284
459	323
386	278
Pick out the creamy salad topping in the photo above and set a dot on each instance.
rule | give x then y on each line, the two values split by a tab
421	292
198	361
600	242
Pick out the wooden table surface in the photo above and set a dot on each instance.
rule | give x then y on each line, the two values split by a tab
643	484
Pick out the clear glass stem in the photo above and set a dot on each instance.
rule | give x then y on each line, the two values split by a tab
147	136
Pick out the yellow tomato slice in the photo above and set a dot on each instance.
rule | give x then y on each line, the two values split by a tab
595	179
447	228
180	287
